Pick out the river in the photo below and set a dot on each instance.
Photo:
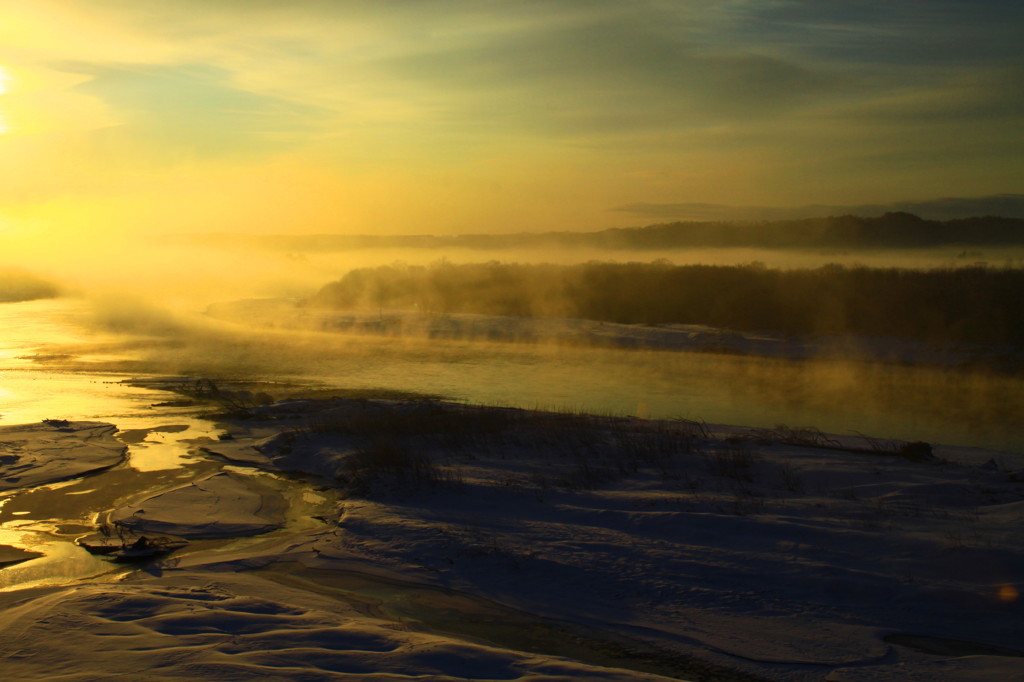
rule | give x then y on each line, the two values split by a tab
159	435
56	362
951	406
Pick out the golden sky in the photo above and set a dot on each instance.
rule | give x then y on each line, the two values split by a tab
121	117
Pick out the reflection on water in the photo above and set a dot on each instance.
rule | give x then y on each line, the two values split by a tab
61	560
30	327
31	396
45	519
940	406
28	397
959	407
951	407
163	447
29	393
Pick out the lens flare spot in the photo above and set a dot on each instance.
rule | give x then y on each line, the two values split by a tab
1008	594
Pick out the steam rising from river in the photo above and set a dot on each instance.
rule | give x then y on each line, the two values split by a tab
179	276
147	316
841	396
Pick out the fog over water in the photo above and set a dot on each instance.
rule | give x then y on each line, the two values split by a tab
511	340
147	317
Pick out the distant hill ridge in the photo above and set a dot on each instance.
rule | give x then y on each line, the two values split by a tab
890	230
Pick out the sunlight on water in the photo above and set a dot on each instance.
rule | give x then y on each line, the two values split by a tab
885	401
166	446
30	327
60	560
30	393
950	406
30	397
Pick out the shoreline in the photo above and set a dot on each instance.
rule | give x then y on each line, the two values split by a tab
286	314
689	539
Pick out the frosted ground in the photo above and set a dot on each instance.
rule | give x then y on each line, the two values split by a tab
364	539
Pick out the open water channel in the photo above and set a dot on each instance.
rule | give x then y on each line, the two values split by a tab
971	407
55	364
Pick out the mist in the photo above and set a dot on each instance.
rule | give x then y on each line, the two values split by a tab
258	314
498	340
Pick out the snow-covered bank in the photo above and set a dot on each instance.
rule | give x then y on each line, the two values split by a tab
752	550
221	626
55	450
786	555
219	505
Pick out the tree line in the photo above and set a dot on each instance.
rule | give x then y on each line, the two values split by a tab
970	304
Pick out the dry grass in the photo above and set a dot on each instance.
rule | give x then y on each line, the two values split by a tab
387	464
418	442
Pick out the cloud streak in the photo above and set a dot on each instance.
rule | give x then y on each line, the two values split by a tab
535	114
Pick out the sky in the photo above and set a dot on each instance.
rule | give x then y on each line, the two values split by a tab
121	118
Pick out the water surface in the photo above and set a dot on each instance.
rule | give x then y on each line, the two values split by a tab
966	407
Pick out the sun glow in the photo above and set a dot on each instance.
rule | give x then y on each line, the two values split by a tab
5	78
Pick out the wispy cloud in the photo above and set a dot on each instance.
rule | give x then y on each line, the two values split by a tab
565	106
196	108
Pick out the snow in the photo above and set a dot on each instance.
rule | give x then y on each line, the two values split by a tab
388	539
228	627
55	450
221	505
